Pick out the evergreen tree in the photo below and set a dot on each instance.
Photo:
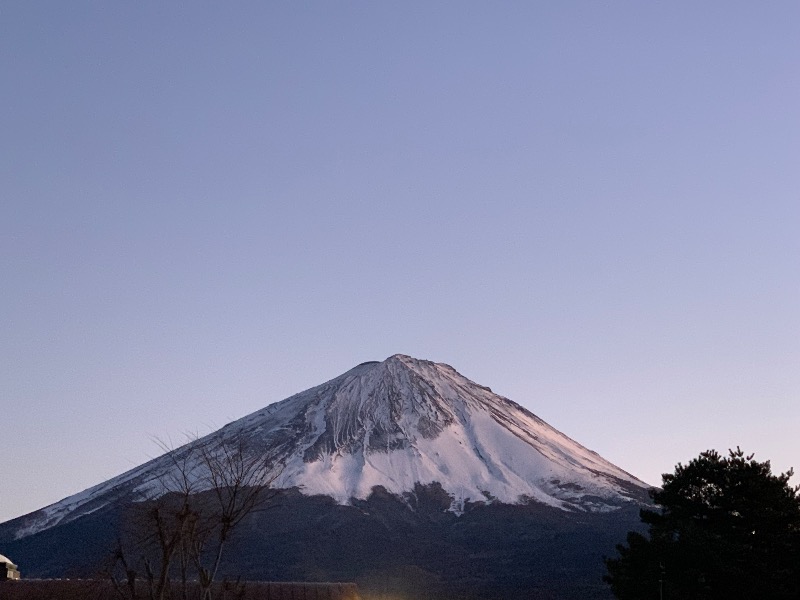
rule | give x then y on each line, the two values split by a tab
727	528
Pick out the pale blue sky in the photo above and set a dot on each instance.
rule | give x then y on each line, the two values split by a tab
592	207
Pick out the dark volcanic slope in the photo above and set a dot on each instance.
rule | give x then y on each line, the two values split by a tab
412	546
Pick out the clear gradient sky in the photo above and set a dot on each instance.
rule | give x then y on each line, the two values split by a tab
592	207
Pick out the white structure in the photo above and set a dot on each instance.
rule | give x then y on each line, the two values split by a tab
8	570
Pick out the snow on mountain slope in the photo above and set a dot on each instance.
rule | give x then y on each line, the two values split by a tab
396	423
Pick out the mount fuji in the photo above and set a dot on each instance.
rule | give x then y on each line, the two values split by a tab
379	440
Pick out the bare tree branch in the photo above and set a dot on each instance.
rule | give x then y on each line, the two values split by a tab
190	513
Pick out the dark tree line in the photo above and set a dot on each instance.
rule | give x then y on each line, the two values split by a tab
726	527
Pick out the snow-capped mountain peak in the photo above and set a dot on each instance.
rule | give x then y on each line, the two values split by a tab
396	424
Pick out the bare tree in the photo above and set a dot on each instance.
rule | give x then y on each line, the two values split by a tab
183	529
235	479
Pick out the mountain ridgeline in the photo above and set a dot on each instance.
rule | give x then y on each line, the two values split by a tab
397	473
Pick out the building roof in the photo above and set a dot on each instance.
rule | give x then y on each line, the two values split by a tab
3	559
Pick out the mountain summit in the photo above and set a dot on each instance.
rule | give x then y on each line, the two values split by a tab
394	424
405	421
